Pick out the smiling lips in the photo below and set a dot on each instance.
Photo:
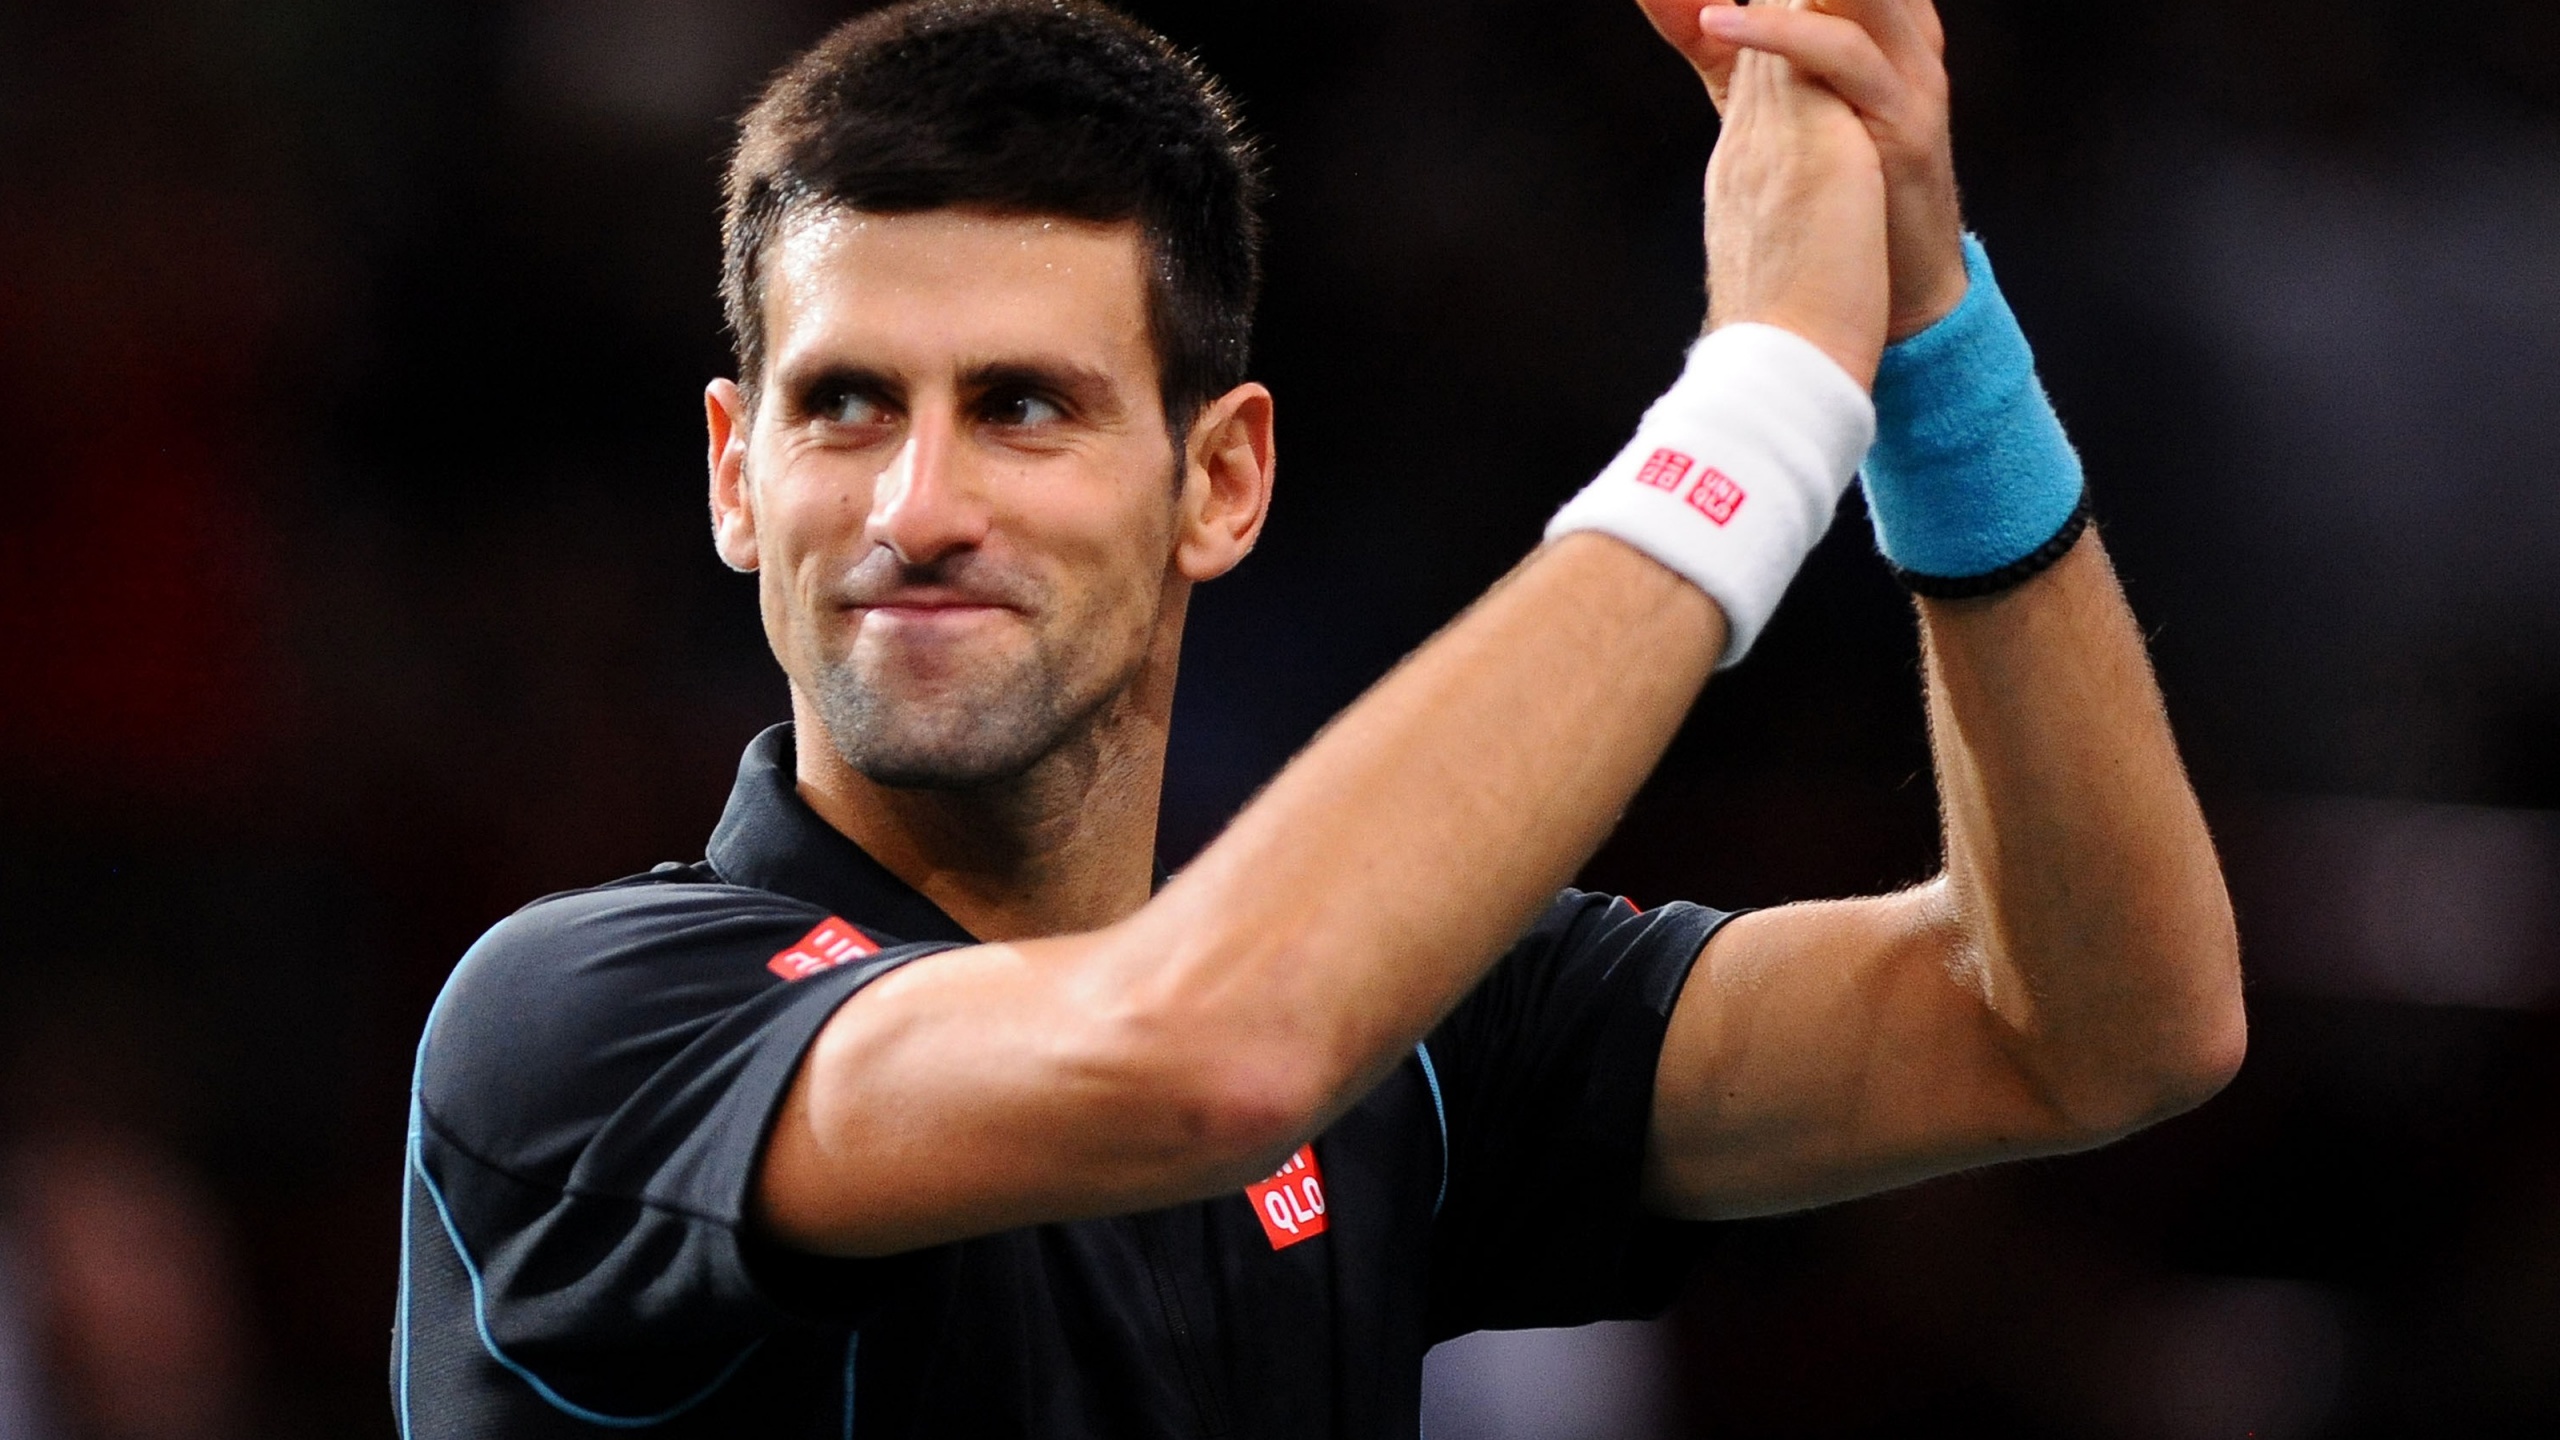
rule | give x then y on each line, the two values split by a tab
917	597
926	612
929	599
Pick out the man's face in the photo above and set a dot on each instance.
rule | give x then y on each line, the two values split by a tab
960	486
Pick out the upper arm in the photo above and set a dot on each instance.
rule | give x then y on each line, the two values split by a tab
1012	1085
1825	1051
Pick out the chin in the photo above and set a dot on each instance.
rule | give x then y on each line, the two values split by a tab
957	718
951	742
939	763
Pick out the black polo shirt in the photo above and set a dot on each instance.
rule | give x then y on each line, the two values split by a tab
597	1082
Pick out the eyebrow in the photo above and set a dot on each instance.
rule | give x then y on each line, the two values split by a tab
1092	390
1089	388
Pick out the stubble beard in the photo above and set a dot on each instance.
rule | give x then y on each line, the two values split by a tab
985	733
979	730
989	728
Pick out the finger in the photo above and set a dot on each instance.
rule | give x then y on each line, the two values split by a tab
1676	21
1715	58
1763	84
1896	26
1838	52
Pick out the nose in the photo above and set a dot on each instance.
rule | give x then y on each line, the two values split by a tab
926	506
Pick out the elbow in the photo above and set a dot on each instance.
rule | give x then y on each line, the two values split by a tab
2190	1051
1230	1101
2208	1039
2210	1058
1251	1112
1230	1120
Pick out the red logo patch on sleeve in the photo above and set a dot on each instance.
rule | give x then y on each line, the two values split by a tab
1290	1205
1666	470
1717	496
828	947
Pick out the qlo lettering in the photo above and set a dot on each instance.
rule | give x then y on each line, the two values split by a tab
1290	1205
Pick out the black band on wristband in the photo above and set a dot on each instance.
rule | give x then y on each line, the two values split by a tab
2008	577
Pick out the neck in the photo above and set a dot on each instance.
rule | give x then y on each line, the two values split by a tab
1065	848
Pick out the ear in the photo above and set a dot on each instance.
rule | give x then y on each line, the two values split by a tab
1226	484
733	515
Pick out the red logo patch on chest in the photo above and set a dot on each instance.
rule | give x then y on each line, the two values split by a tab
1290	1205
830	946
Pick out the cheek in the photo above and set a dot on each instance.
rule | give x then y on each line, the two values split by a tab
1114	551
809	519
814	515
787	631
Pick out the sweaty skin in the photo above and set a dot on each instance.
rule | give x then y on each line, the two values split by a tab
2071	975
1887	57
974	549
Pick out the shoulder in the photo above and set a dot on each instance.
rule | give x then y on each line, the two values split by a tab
1593	973
1595	940
1575	916
536	1027
659	933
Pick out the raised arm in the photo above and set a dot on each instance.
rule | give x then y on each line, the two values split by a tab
1188	1049
2071	977
2073	974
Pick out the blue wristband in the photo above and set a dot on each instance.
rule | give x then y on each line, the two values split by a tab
1972	485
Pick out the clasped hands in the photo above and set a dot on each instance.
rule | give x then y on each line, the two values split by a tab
1831	201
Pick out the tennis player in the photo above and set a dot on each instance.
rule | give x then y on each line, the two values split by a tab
924	1105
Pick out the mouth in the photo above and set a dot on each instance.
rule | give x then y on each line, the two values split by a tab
926	612
916	609
965	601
927	623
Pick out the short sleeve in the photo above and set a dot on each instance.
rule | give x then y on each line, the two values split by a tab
1546	1075
593	1095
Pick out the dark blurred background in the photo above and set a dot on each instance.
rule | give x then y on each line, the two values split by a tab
354	590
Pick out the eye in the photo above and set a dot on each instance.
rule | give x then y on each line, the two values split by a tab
849	407
1022	409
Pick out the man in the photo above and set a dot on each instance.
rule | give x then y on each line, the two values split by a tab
920	1107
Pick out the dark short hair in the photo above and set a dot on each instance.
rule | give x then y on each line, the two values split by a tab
1059	108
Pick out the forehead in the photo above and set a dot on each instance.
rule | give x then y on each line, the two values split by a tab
956	286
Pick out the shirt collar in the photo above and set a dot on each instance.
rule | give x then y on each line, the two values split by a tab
769	839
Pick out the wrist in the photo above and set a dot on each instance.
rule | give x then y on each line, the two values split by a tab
1931	270
1941	291
1736	471
1857	355
1973	486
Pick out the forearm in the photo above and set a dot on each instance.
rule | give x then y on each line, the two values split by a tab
2081	879
1358	900
2073	973
1365	893
1187	1049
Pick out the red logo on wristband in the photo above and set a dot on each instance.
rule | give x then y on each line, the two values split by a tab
1666	470
1717	497
1290	1205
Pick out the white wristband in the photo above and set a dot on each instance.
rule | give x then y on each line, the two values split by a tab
1736	471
